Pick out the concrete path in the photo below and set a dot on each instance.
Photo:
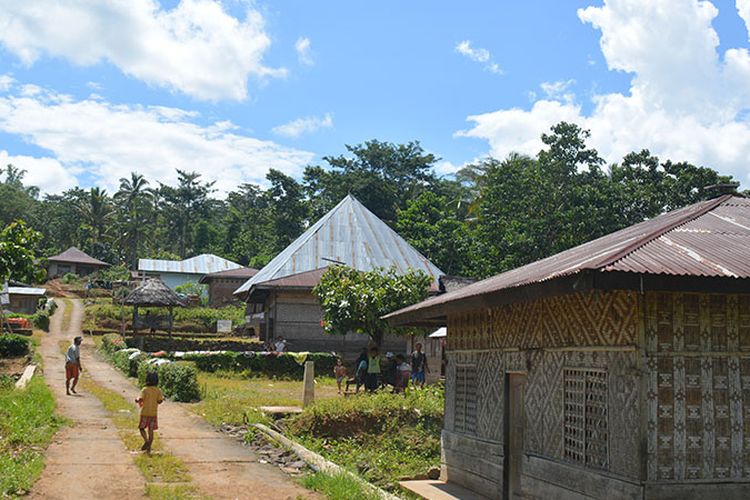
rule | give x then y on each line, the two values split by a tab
86	460
219	465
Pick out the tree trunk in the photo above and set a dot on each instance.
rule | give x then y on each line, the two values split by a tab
377	339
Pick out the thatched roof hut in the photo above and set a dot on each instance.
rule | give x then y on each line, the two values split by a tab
153	293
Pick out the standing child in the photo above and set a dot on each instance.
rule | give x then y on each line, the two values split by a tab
339	371
73	365
151	398
402	375
419	366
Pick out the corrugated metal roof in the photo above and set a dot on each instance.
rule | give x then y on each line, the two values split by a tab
349	234
239	273
200	264
24	290
73	255
707	239
307	279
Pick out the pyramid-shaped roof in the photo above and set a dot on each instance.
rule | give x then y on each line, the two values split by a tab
351	235
76	256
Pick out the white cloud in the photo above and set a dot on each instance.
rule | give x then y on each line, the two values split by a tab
558	91
301	126
685	101
478	55
108	141
47	174
6	81
196	47
304	53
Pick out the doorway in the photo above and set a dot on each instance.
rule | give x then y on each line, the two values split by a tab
515	422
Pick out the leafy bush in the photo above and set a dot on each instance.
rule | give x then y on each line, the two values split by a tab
39	319
114	273
112	342
127	365
284	365
70	278
153	343
178	381
12	345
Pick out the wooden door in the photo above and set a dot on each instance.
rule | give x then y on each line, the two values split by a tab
515	384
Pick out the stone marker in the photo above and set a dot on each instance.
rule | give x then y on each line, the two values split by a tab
309	384
26	377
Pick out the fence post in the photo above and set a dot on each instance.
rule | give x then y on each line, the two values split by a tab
309	384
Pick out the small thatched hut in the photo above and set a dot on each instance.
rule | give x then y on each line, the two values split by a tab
153	293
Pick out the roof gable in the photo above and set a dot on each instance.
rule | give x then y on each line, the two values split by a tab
349	234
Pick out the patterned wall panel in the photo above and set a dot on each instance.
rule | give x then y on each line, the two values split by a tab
581	319
698	399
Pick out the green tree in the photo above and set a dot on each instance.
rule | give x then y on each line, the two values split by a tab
289	208
354	301
432	225
16	200
135	204
184	206
18	244
382	175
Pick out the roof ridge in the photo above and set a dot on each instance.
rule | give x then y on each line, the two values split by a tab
657	233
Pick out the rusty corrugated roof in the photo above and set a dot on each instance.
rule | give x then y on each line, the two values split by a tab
76	256
707	239
239	273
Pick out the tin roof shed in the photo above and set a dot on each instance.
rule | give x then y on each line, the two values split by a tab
200	264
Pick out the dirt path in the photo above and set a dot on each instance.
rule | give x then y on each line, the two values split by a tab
86	460
220	466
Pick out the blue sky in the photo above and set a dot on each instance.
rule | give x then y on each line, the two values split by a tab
92	90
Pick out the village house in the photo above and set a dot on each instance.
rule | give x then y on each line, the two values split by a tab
616	369
73	261
222	284
281	292
174	273
24	299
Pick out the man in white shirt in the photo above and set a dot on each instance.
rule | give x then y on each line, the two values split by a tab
73	365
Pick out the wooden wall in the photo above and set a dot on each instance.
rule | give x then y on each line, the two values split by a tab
594	329
698	391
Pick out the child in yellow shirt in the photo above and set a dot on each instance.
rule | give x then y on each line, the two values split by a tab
151	398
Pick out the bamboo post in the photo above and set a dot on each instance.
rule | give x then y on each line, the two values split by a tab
308	396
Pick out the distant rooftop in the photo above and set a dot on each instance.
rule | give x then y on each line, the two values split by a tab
26	290
239	273
200	264
75	256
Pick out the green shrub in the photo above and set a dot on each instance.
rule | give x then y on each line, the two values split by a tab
12	345
69	278
282	365
123	362
201	318
40	320
112	342
178	381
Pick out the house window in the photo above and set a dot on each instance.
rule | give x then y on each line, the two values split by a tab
586	433
465	416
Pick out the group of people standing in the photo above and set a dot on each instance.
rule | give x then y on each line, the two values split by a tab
373	372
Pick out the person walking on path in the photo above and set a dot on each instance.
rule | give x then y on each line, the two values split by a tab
73	365
418	366
151	398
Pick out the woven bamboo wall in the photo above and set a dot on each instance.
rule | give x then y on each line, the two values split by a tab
524	337
698	400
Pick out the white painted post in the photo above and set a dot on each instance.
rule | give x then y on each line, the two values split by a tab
309	384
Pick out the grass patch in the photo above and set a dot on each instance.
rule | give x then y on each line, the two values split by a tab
27	424
67	313
383	437
337	486
174	492
230	397
160	466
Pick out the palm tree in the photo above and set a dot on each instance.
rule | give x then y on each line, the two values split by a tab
135	200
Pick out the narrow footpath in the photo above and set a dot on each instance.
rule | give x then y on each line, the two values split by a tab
86	460
219	465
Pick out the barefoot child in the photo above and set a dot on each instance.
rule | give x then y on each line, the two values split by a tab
339	372
151	398
73	365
